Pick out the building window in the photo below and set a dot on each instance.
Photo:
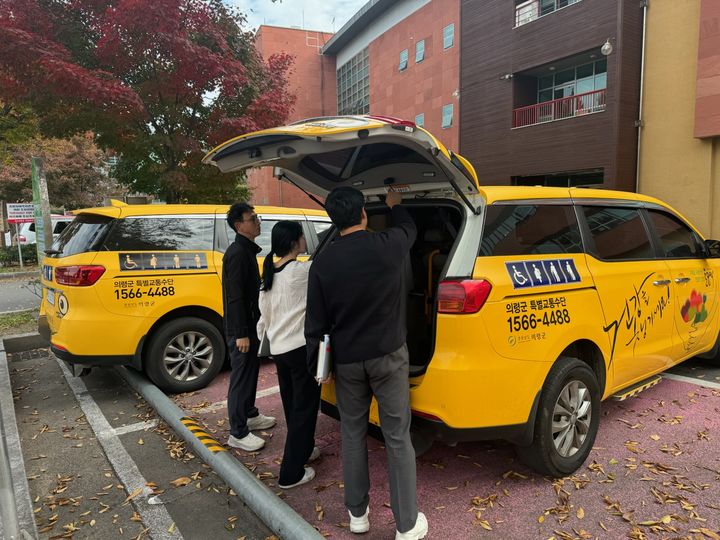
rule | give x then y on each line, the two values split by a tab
565	92
529	10
573	81
588	177
448	36
353	85
403	59
420	51
420	120
447	116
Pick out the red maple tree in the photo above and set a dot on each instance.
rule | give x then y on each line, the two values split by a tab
158	81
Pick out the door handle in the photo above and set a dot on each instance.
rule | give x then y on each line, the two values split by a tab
661	282
682	279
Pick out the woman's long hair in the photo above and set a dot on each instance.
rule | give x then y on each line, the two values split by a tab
284	235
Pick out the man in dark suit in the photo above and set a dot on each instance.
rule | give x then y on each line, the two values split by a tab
241	288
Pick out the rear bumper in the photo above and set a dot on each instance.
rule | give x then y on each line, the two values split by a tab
93	361
134	361
519	434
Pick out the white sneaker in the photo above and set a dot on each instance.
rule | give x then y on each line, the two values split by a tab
359	525
249	443
417	532
309	475
260	422
314	454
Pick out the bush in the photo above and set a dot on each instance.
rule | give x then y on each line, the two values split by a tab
9	255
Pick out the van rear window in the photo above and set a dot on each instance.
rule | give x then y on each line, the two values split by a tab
530	230
83	234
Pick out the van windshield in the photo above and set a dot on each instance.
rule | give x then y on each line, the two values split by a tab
82	235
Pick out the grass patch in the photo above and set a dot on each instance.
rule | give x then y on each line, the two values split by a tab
14	320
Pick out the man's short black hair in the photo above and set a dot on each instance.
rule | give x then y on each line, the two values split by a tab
236	212
344	206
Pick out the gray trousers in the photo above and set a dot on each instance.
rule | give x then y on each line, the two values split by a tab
355	384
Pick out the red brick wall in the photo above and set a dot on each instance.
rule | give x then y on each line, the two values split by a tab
313	82
424	87
707	97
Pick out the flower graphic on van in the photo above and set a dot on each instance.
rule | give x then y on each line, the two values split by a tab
693	310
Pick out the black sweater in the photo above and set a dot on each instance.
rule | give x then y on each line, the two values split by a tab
241	288
355	293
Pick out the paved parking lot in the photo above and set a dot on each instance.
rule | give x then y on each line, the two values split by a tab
17	294
654	472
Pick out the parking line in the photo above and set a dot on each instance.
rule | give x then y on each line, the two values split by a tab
155	517
691	380
223	404
138	426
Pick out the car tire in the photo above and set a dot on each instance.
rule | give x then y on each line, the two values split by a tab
184	355
420	441
712	356
567	420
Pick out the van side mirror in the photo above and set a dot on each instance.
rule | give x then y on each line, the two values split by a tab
712	249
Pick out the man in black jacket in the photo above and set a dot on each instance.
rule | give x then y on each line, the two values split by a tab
355	294
241	287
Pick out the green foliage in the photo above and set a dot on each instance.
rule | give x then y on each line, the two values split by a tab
17	125
9	255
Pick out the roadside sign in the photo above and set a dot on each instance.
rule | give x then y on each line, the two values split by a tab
20	213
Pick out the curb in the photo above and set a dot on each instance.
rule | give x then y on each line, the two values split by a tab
23	342
16	510
272	510
13	275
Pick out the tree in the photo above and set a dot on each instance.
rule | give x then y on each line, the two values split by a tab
159	81
17	125
76	171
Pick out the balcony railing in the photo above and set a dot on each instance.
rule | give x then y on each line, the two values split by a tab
530	10
559	109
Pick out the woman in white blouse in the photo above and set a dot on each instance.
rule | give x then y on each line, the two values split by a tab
282	320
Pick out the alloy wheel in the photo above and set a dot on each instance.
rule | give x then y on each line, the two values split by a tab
571	418
188	355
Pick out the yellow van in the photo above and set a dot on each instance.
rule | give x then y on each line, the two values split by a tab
141	286
526	306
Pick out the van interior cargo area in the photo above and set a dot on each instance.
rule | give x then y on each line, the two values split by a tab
438	225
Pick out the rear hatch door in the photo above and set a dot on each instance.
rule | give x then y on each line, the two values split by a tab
370	153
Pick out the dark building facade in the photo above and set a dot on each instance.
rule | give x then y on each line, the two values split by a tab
542	102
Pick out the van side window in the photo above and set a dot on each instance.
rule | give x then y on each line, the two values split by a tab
222	235
677	239
322	228
530	229
619	234
161	234
265	237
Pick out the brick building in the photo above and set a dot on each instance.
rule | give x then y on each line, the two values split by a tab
313	82
402	59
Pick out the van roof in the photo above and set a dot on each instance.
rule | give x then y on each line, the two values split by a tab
494	194
170	209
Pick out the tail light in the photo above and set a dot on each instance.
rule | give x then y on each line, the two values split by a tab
466	296
78	276
21	239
